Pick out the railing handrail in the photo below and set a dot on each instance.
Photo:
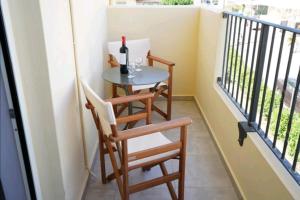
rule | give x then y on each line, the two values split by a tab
287	28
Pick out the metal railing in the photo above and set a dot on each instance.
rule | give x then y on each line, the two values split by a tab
261	75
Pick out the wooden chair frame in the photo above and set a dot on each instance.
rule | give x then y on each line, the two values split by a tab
121	174
164	91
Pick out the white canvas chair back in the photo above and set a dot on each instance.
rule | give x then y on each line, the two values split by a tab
137	48
103	109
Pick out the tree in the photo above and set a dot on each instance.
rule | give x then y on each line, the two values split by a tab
177	2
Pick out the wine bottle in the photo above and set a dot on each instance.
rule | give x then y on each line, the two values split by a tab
123	57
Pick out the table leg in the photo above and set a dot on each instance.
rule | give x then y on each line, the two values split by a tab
130	111
127	92
130	106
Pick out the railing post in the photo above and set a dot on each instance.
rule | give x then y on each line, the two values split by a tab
225	16
261	54
258	72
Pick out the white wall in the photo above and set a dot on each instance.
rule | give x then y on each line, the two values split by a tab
44	57
61	66
90	25
30	66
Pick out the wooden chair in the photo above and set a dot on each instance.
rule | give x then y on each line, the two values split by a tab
141	48
142	147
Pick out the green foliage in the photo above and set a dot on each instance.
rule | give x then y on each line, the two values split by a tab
294	131
294	134
177	2
238	8
284	119
236	63
261	10
267	103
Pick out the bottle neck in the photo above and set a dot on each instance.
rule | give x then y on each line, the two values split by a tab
123	41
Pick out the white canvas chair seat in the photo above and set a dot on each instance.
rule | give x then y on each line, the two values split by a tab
147	142
142	87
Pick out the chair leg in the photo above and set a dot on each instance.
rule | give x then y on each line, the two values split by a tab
114	94
102	160
181	180
114	165
183	132
169	105
119	150
169	184
114	91
125	170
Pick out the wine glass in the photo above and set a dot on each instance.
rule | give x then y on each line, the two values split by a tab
139	62
131	70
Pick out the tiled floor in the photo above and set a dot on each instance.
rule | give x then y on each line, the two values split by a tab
206	177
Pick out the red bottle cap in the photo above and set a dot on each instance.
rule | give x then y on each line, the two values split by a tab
123	39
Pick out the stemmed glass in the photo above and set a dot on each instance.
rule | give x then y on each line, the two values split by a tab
131	70
139	62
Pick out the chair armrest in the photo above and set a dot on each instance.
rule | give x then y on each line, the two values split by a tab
152	128
127	99
160	60
112	61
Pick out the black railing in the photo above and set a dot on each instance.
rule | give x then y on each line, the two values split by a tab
261	75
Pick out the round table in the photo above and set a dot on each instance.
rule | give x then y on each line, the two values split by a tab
148	75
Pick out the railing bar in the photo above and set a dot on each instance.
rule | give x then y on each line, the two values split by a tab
285	28
231	60
291	116
284	88
275	83
241	61
251	68
267	78
236	55
228	50
246	62
296	154
225	47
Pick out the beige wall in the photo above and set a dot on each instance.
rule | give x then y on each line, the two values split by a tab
90	26
44	61
254	176
27	44
173	33
61	66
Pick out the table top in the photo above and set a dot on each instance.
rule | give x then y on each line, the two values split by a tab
148	75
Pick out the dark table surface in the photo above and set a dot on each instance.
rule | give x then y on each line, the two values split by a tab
148	75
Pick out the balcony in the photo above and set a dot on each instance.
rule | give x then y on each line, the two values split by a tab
68	40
